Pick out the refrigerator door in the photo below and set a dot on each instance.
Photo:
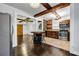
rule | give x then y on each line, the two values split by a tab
5	38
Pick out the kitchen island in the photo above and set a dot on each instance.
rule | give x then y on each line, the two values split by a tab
38	37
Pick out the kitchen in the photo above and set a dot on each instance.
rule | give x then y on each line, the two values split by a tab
51	29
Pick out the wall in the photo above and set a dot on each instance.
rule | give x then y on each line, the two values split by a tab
55	24
37	24
13	12
74	29
29	27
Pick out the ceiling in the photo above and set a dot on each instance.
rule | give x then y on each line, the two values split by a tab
27	8
64	12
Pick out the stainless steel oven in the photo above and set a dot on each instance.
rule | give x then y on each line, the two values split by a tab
63	35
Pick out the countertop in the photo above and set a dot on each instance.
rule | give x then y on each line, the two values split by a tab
65	45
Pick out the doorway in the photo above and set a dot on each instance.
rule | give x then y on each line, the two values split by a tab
19	34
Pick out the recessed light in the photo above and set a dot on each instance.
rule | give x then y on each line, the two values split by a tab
35	5
53	16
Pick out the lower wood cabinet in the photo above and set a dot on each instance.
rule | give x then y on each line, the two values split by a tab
52	34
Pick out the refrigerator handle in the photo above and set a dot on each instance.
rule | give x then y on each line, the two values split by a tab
12	29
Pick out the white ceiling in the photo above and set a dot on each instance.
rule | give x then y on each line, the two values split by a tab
27	8
64	12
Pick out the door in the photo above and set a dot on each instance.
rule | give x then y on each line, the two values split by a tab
5	34
19	34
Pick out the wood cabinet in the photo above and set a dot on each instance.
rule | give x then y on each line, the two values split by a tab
52	34
49	32
49	25
65	22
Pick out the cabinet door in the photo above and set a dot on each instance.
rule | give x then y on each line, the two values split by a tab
52	34
49	25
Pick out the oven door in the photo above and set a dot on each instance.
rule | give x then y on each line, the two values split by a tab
63	35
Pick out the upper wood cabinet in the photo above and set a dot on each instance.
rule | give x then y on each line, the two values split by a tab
49	25
65	25
65	22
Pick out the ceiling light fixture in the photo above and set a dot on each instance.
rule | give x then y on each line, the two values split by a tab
35	5
53	16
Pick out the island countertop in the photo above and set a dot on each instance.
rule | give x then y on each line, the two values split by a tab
38	32
65	45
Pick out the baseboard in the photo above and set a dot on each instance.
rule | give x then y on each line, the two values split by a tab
74	53
13	51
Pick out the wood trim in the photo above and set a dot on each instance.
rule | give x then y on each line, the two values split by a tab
46	5
59	6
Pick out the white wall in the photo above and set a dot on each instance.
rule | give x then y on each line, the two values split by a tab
14	12
55	24
37	24
29	27
74	29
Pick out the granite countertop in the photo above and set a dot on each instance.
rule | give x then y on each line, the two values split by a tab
54	30
65	45
36	32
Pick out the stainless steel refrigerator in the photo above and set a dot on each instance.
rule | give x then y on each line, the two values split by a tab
5	34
